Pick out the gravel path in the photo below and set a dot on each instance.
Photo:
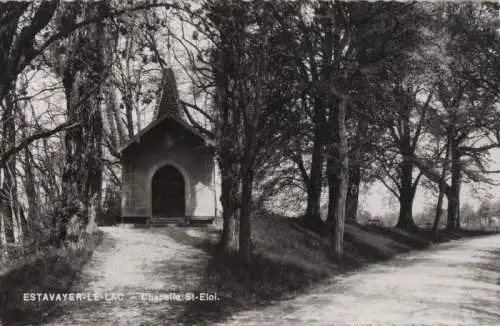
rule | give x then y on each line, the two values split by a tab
127	270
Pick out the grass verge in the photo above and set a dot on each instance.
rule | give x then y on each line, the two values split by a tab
289	259
52	271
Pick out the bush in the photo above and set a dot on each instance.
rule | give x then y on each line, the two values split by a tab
51	271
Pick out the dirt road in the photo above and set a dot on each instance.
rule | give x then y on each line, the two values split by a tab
135	264
453	284
456	283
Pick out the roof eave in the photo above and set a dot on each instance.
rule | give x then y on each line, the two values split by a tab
137	138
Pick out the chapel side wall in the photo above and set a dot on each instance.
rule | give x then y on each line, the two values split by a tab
126	188
134	200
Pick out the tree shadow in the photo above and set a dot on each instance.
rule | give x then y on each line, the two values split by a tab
239	287
54	272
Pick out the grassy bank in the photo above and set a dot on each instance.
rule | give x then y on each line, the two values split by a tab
47	271
289	259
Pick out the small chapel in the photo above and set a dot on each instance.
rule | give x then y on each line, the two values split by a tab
168	168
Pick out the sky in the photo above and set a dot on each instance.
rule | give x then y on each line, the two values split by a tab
379	201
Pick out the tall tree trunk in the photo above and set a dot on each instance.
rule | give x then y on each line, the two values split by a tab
229	240
323	99
11	177
408	187
127	92
245	240
230	229
442	183
230	191
8	181
32	195
333	168
453	221
355	174
114	118
337	225
3	238
230	187
333	179
406	197
439	205
17	226
95	169
353	192
312	217
73	183
82	178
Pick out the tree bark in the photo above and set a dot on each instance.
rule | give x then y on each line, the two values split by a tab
406	197
333	167
312	217
8	192
29	187
322	100
442	184
353	192
355	172
82	177
229	240
408	187
337	225
3	237
245	239
439	205
453	220
333	179
13	203
227	118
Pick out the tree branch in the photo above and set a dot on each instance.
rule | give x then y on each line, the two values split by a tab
28	140
391	189
196	124
106	15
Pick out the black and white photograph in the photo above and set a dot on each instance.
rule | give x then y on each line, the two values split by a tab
249	162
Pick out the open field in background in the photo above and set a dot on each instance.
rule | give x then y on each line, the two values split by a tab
487	228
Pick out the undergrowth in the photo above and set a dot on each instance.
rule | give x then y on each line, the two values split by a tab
50	270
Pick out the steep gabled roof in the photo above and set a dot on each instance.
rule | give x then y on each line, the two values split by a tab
155	123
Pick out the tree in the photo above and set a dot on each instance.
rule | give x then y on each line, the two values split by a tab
26	36
405	125
250	93
461	106
484	212
467	214
83	70
471	110
442	185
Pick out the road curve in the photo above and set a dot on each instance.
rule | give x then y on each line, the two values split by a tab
455	284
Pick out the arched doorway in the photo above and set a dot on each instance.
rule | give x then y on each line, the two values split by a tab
168	193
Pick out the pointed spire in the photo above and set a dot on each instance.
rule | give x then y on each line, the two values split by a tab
169	103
